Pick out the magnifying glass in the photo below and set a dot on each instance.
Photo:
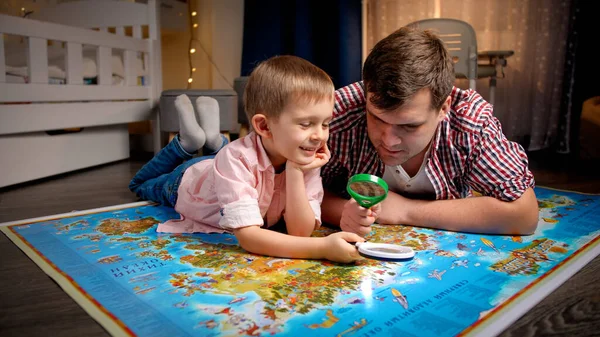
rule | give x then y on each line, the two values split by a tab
368	190
385	250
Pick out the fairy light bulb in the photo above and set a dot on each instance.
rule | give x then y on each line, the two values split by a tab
195	25
193	69
190	80
193	50
194	13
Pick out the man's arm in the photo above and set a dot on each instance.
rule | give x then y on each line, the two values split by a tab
331	208
476	214
348	214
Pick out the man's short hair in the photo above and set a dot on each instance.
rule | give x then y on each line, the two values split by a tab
405	62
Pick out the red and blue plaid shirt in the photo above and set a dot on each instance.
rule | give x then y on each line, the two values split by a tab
470	152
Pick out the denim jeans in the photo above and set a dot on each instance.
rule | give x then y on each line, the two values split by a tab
159	179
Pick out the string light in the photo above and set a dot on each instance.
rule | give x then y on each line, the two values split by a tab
194	43
192	50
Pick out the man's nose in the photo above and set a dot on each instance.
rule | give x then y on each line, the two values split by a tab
389	138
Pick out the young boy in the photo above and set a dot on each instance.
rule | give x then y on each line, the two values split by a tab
251	183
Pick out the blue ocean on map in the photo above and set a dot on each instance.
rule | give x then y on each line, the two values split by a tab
206	285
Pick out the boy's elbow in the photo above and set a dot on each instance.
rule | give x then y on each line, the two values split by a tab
301	233
301	229
245	239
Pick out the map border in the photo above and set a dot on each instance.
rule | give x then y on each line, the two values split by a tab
108	321
491	324
516	306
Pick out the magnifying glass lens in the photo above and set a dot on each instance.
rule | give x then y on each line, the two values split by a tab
367	188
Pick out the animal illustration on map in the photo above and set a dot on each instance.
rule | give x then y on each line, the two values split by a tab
436	274
401	299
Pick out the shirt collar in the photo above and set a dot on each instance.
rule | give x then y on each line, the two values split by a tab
262	158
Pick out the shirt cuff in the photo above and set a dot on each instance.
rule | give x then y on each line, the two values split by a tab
239	214
513	190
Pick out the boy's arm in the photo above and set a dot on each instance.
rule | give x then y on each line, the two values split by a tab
299	216
334	247
476	214
303	186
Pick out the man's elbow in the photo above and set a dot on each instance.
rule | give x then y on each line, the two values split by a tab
527	213
527	224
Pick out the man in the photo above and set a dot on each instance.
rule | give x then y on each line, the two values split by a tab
433	143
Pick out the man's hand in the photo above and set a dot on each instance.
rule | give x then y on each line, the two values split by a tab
321	158
338	249
357	219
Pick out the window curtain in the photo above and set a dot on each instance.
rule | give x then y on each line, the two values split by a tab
534	100
326	33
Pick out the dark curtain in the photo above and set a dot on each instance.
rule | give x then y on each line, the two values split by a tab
582	71
326	33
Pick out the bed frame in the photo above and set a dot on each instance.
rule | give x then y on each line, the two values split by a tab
48	129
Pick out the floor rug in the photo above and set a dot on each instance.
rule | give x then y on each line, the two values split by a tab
134	281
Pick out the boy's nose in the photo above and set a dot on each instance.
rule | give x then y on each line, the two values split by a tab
319	134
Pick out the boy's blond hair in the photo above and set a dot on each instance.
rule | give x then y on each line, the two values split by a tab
279	80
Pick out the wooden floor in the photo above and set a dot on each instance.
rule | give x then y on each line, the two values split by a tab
31	304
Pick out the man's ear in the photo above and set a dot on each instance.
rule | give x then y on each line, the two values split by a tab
445	108
260	125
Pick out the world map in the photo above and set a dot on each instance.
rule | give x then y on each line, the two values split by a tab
156	284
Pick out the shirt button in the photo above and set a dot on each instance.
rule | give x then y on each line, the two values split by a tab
398	171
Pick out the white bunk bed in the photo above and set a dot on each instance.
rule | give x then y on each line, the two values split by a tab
48	128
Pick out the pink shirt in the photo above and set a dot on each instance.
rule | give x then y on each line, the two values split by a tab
238	188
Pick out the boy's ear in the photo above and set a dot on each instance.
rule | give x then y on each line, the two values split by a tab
260	125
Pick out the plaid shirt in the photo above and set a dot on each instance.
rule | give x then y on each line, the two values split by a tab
470	152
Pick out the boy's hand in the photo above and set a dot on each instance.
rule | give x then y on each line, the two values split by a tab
321	158
338	249
357	219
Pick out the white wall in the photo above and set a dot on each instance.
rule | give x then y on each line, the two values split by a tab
228	19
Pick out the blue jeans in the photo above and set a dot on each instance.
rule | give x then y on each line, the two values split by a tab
159	179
